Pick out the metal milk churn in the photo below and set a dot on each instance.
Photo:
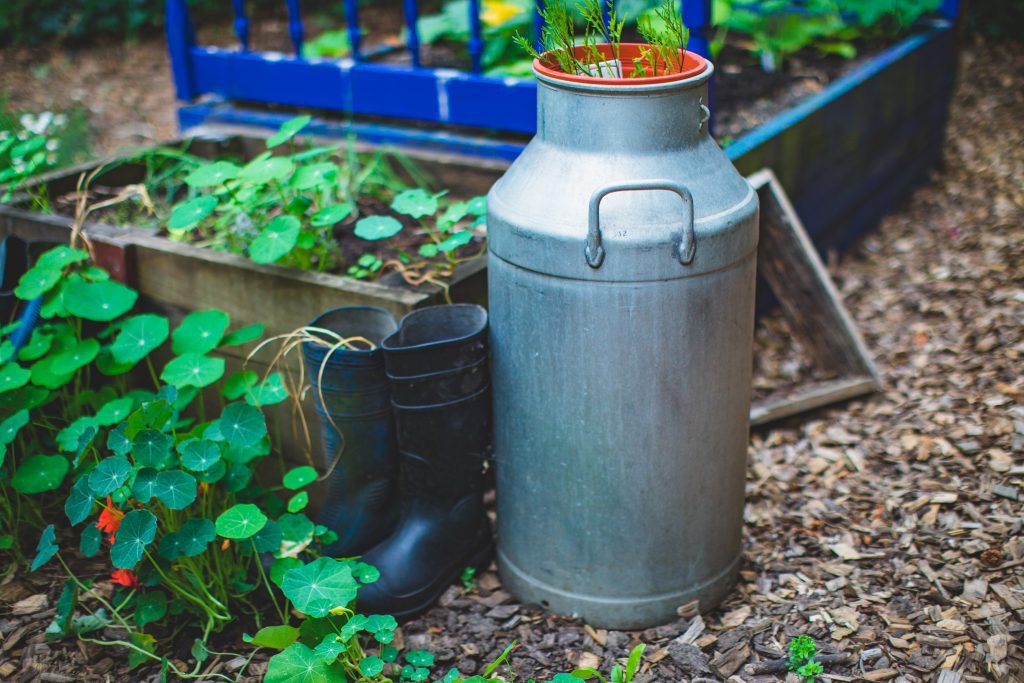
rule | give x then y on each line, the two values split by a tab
621	289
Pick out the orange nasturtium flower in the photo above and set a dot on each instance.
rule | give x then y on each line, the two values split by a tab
125	577
110	520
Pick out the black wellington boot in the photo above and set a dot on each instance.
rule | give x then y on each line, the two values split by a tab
440	392
359	499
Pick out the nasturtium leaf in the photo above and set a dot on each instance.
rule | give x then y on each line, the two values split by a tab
58	628
46	549
419	658
416	202
79	503
200	332
377	227
237	385
275	240
241	521
175	489
455	241
270	391
264	169
44	375
242	425
118	442
320	586
199	455
152	414
478	205
152	448
10	427
144	485
277	637
188	214
245	454
62	256
38	345
141	641
99	301
189	541
282	566
379	624
268	540
329	648
191	370
298	477
212	174
90	541
214	474
371	666
453	214
114	411
106	364
70	359
298	502
13	376
243	335
138	336
36	282
389	653
315	176
237	478
288	130
299	664
330	215
366	573
428	250
39	473
297	529
149	607
199	651
111	473
137	531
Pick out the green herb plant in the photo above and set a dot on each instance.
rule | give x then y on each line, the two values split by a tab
666	40
802	651
31	144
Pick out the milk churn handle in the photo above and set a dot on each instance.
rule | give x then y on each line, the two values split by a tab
684	247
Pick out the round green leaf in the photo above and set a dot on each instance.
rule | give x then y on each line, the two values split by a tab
330	647
39	473
371	666
44	375
191	370
320	586
331	215
282	566
419	658
200	332
175	489
139	335
276	240
188	214
298	502
277	637
237	385
315	176
455	241
144	484
270	391
137	531
110	474
377	227
100	301
212	174
10	427
214	474
114	411
296	529
264	169
192	539
288	130
36	282
237	478
13	376
62	256
199	455
39	344
243	335
73	357
91	541
416	203
298	664
269	538
69	438
241	521
150	606
242	425
79	503
152	448
298	477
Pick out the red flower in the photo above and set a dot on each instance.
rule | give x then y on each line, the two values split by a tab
125	577
110	520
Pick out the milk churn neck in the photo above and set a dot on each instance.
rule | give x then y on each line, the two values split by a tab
628	118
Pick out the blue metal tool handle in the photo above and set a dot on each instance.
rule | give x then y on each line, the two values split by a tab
685	245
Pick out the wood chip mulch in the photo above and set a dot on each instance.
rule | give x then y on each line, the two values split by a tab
889	529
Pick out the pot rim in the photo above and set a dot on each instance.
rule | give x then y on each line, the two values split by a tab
695	67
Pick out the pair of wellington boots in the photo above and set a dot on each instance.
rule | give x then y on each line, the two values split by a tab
407	406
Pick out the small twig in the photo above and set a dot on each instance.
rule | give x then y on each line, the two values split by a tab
778	665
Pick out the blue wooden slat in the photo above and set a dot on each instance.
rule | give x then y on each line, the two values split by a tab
476	38
180	41
605	13
295	29
241	23
355	34
411	8
697	17
950	9
538	25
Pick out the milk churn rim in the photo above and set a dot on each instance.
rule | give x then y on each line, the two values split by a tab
696	70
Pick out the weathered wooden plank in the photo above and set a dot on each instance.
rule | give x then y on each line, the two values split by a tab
809	397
